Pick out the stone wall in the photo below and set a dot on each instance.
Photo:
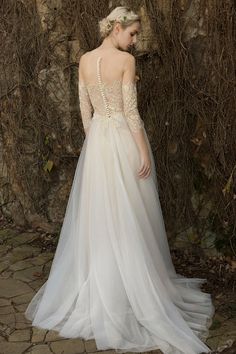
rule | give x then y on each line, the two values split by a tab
41	130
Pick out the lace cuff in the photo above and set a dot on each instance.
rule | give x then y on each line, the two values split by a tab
129	91
85	106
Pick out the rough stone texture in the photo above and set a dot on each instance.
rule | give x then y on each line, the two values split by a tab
4	265
21	252
42	258
4	249
35	284
90	346
6	310
70	346
20	336
29	274
5	302
11	287
2	339
224	333
13	348
21	265
23	299
6	274
26	251
21	308
107	352
40	349
21	321
25	237
8	319
38	335
7	234
52	336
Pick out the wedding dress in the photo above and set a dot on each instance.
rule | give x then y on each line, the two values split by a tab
112	278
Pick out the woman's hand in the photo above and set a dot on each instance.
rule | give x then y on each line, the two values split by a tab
145	165
144	153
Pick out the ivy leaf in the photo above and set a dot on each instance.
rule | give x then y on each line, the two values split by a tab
46	140
48	166
227	187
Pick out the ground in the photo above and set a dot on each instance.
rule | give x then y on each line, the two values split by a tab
25	261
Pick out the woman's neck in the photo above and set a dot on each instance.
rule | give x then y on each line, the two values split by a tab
109	43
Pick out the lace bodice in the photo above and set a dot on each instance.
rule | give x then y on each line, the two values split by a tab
109	98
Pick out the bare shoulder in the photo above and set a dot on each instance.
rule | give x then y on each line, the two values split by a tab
82	66
128	57
129	61
129	68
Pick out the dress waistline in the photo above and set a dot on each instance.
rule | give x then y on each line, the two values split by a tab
97	115
116	119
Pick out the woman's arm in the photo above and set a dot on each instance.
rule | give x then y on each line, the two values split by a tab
86	108
134	120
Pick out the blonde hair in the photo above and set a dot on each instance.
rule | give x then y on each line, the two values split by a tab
122	14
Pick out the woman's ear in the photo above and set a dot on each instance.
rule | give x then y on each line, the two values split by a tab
117	27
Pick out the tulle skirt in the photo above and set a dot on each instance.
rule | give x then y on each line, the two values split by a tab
112	278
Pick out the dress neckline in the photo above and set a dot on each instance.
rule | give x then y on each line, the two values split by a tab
108	84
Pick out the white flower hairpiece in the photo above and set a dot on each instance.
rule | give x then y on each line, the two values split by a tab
130	16
105	25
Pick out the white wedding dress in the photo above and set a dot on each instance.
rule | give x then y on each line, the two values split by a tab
112	278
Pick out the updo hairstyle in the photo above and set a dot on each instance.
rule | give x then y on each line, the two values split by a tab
122	14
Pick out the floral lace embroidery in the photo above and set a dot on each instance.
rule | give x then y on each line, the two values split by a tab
113	95
86	107
134	120
108	98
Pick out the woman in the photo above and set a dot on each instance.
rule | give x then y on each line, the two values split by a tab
112	277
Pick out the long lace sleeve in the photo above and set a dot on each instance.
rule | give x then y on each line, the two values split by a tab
85	104
129	91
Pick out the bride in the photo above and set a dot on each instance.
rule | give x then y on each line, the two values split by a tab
112	278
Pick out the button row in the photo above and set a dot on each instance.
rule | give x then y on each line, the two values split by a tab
108	113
